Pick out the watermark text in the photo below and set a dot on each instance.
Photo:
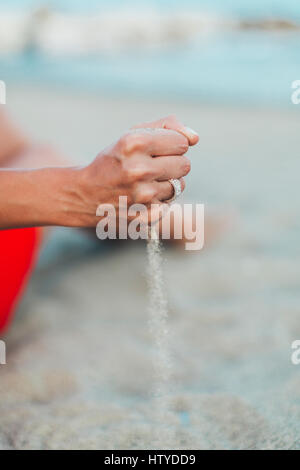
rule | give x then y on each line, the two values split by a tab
295	357
176	221
2	353
295	96
2	92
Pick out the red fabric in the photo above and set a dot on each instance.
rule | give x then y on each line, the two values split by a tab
18	250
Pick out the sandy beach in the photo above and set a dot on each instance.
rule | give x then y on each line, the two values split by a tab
79	356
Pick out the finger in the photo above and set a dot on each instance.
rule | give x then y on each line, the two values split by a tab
171	122
165	168
155	192
165	190
142	168
145	193
153	142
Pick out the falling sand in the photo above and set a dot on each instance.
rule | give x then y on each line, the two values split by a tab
158	311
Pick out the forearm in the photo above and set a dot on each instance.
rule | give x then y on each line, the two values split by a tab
42	197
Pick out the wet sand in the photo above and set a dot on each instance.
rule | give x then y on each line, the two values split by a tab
79	367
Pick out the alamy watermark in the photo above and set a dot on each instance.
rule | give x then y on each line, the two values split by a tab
295	96
2	353
295	356
176	221
2	92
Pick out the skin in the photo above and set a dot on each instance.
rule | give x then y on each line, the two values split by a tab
138	166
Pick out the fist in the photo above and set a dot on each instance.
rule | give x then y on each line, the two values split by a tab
139	166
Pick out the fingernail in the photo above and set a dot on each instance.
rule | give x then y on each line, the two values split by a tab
191	131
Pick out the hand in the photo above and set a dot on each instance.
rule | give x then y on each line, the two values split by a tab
138	166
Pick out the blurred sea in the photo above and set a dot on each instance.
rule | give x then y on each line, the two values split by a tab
240	52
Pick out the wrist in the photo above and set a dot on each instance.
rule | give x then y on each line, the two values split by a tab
50	197
67	206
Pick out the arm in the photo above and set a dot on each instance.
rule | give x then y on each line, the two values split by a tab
30	197
69	196
39	197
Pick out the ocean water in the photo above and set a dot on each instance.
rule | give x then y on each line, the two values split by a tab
244	52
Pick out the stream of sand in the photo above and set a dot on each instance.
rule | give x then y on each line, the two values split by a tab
159	328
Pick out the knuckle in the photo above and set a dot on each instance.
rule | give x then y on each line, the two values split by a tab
141	172
133	173
129	175
145	195
131	142
122	142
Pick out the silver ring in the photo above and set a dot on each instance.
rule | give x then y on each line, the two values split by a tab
177	190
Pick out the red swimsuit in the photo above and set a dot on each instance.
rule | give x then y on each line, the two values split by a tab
18	252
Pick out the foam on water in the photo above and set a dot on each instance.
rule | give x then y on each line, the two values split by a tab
55	32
